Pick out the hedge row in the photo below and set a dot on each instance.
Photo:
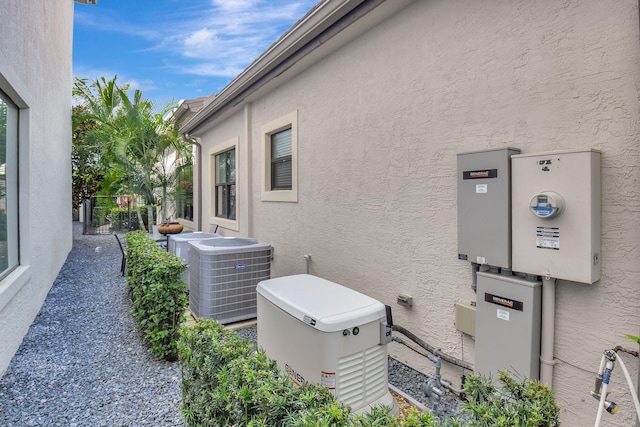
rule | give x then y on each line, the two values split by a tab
120	218
225	382
157	291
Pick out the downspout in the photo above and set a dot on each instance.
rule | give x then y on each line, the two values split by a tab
244	156
194	141
547	338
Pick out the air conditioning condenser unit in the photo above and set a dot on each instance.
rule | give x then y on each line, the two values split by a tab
223	274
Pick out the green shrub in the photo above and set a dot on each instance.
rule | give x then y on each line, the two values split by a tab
514	403
100	215
226	382
120	218
157	291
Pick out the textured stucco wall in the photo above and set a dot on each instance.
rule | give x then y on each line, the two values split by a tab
380	123
35	44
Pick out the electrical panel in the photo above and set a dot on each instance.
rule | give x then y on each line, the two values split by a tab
484	207
508	322
556	214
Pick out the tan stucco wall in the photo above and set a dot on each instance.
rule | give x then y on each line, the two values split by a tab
380	123
35	71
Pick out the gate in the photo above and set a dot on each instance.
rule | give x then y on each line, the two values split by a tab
100	217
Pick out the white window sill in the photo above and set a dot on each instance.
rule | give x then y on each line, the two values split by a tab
11	285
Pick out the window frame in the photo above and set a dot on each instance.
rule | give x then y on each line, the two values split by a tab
228	223
18	277
269	193
185	203
11	185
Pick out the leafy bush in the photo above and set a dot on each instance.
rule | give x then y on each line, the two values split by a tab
120	218
100	215
525	403
157	291
226	382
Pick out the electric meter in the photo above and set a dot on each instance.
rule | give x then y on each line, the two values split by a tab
546	205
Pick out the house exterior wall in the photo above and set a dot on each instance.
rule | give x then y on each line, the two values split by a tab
380	122
35	73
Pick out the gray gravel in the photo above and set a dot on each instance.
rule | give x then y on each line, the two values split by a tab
82	363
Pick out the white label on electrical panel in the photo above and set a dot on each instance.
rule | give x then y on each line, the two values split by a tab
481	188
548	238
481	260
503	314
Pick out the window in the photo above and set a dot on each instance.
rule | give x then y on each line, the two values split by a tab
280	159
184	193
8	185
225	184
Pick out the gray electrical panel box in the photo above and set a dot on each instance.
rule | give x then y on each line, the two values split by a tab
484	207
508	322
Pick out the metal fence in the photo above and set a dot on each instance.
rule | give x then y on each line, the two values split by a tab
105	214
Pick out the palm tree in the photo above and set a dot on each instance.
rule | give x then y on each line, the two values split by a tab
133	137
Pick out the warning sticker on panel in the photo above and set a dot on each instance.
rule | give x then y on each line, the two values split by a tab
503	314
548	238
328	380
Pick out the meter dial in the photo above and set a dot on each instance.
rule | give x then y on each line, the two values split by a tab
546	205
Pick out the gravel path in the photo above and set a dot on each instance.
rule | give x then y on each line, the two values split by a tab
82	363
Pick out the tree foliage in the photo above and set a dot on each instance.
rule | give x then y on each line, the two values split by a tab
130	140
86	172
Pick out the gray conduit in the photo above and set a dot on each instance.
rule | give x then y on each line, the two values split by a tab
433	350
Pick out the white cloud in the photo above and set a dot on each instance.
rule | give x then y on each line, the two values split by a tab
234	4
211	69
92	74
228	36
215	39
201	43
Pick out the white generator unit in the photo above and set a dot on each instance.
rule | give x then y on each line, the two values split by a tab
178	244
223	274
324	333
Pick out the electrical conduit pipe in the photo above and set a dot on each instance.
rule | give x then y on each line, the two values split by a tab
547	338
433	350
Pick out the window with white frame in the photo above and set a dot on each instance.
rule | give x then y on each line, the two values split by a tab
224	209
8	185
280	159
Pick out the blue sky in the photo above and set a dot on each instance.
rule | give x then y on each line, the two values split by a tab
177	49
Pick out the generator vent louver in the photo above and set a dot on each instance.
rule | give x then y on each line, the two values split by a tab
362	377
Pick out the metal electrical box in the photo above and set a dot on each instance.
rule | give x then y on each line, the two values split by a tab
484	207
556	214
508	322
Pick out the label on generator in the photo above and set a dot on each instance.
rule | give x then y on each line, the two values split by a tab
328	380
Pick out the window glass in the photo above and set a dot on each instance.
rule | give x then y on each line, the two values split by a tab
8	185
225	193
281	149
184	193
279	137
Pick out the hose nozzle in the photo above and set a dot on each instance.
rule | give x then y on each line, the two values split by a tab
610	406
